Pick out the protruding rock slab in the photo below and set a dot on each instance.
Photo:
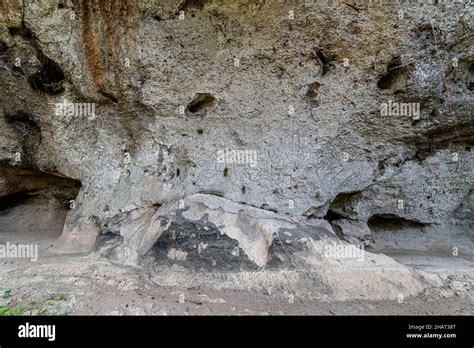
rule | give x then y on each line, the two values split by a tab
206	240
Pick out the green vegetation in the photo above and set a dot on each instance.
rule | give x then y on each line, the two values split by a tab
49	306
11	311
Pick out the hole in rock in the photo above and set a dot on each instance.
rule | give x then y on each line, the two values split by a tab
3	47
323	59
341	206
396	76
393	234
201	103
22	118
33	206
49	79
25	32
332	216
267	207
394	79
190	4
390	221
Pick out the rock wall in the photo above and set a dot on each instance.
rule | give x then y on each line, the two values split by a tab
251	117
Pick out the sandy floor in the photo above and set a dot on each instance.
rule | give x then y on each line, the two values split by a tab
86	285
74	285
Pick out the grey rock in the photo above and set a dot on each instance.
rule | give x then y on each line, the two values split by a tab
262	121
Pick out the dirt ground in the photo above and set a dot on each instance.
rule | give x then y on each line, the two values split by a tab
88	286
73	285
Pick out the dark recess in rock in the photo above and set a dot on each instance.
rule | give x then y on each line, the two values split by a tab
332	216
3	47
20	183
189	4
393	221
341	206
312	90
382	165
23	31
396	77
323	60
393	79
201	103
267	207
49	79
12	200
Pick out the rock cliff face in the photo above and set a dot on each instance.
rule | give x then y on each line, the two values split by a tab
237	135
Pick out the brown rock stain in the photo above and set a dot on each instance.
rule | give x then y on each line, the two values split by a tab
11	13
109	36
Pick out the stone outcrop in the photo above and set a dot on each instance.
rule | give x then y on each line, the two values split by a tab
240	135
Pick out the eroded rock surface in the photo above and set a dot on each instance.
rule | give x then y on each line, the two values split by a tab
243	136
